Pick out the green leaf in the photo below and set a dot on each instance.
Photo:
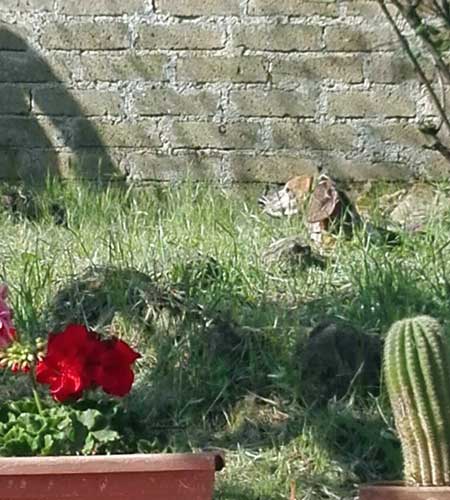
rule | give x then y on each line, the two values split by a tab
146	446
87	427
89	445
105	435
65	423
34	443
48	445
16	447
89	418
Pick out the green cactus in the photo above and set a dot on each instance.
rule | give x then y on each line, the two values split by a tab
417	370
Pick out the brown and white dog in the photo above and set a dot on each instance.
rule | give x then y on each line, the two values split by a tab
327	208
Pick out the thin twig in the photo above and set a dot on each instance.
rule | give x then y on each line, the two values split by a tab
441	10
423	78
437	9
415	21
443	98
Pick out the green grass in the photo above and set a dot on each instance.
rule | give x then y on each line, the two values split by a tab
178	272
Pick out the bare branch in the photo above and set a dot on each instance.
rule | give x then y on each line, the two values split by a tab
415	21
443	11
443	98
437	9
420	72
440	148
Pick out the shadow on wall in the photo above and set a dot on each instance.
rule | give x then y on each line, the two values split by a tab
38	121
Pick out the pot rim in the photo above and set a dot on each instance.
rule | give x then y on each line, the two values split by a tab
158	462
401	485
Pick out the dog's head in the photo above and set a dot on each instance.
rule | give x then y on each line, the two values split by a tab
288	200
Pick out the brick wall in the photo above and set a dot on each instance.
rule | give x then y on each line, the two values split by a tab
236	90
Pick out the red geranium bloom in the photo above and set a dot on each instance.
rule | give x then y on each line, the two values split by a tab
65	365
78	359
113	370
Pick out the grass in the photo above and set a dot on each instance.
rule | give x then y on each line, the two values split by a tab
178	272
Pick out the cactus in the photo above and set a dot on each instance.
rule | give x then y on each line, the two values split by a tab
417	370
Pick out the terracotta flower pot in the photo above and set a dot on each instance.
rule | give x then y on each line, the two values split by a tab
117	477
399	491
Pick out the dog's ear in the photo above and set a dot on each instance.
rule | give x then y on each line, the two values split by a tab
324	201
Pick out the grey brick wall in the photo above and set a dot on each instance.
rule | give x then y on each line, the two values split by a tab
231	90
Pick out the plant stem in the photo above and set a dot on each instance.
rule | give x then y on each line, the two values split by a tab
36	396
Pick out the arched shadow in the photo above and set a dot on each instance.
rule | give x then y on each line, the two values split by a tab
40	121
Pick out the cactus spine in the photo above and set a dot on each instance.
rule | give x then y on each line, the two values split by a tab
417	370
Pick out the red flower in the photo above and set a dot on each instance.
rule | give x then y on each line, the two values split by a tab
77	359
65	365
113	369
